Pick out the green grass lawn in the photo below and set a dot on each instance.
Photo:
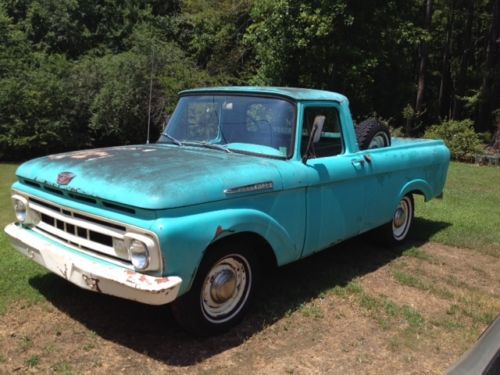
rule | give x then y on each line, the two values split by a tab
470	209
468	216
16	269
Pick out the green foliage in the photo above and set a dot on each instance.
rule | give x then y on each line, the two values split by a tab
119	108
459	136
36	115
75	74
51	104
216	31
337	45
408	112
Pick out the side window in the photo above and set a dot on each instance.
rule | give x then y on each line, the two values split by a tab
331	142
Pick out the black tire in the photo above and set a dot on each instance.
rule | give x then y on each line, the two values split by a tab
397	231
372	133
207	310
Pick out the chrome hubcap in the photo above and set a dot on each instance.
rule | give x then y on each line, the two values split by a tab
399	217
226	288
401	220
223	286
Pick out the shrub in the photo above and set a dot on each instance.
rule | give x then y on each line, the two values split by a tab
459	136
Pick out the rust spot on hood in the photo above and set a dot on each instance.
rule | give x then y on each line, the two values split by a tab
82	155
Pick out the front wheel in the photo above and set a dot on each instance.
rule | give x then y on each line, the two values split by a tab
221	292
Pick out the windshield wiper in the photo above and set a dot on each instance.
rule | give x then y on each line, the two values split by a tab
174	140
213	146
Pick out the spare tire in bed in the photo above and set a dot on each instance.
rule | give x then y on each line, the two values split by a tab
372	133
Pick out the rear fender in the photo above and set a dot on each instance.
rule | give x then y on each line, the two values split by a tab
417	185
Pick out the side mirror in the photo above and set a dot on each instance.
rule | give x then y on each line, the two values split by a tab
317	128
314	136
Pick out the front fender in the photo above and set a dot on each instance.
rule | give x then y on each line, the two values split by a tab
185	239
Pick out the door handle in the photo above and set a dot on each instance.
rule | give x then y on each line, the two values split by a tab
358	162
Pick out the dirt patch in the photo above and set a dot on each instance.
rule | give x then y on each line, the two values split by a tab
382	283
310	321
463	265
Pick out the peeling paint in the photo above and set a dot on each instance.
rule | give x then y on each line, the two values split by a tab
218	231
86	154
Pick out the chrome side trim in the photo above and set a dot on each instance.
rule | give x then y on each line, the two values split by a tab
260	186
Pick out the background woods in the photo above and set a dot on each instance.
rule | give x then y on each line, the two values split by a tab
75	73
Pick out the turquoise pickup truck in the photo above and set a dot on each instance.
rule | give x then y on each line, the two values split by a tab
241	178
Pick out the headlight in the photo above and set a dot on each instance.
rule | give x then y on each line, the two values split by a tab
24	214
139	254
20	207
143	251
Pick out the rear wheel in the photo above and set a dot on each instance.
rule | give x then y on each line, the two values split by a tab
222	290
402	219
396	231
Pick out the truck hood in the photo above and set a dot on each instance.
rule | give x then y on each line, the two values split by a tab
154	176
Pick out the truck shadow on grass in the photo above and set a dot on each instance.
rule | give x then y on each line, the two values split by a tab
151	330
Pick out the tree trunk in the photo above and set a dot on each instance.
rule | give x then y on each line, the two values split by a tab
488	99
423	62
444	86
461	79
495	144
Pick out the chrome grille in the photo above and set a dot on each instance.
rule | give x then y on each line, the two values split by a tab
79	230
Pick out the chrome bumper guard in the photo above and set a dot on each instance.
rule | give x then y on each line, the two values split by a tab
97	276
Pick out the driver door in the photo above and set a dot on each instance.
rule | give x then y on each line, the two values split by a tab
335	196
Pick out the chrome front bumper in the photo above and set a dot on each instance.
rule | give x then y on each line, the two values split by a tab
98	276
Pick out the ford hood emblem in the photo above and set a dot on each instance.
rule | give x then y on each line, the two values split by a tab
65	178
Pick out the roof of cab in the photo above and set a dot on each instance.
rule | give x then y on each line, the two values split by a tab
288	92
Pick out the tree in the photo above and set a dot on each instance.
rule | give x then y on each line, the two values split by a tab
445	88
119	87
364	50
215	33
489	92
424	55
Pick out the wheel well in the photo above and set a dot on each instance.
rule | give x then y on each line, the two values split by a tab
417	192
264	250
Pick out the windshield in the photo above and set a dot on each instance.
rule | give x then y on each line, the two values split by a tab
247	124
